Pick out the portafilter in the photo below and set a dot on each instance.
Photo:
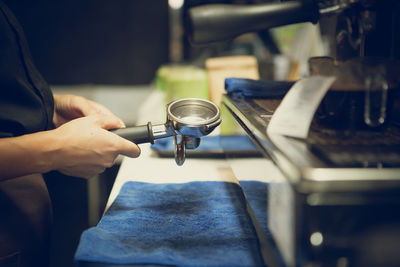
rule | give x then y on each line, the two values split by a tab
187	120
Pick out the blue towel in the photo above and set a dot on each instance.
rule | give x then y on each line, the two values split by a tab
190	224
215	145
257	88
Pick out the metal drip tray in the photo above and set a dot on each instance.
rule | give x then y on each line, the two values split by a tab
368	149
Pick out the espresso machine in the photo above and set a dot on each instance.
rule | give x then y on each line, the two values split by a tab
339	201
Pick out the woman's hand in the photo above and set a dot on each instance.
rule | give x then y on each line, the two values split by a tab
86	147
83	127
70	107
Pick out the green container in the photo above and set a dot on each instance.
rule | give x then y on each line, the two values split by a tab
182	81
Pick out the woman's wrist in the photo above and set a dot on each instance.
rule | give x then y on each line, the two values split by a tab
47	147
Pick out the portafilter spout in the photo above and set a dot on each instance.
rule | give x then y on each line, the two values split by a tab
187	120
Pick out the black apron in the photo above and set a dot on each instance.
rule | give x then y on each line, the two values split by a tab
26	101
26	106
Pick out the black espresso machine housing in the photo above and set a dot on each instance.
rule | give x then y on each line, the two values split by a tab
339	201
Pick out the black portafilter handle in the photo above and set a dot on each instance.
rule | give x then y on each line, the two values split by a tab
218	22
137	134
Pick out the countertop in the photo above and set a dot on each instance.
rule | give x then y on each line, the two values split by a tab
151	168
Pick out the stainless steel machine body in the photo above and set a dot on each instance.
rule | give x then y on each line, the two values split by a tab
325	212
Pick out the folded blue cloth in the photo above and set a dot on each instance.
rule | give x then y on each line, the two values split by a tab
256	88
190	224
214	145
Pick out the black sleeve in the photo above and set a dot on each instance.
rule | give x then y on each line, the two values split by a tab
26	101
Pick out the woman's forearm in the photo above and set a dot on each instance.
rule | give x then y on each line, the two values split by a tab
82	147
27	154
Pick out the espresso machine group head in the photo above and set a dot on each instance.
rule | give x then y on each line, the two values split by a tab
353	28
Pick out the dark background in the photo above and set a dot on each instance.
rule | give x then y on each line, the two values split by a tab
95	41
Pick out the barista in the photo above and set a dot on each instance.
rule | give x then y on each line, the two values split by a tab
41	132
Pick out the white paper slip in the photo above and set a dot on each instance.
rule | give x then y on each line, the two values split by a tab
294	115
